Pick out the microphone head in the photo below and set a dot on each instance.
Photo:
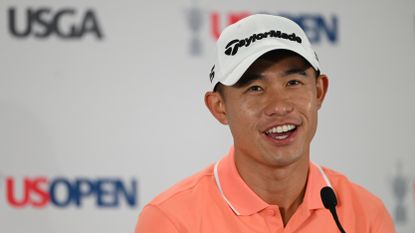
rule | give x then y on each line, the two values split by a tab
328	197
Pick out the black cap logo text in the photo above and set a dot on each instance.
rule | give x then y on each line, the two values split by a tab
232	47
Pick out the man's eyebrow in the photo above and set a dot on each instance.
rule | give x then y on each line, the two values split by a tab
295	70
248	78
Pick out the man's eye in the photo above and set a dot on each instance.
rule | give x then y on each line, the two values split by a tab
255	89
293	83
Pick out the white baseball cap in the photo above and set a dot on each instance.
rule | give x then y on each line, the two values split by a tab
243	42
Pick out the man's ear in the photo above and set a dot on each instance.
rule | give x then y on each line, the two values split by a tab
215	103
322	86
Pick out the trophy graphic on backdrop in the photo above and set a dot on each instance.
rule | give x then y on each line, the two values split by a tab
194	18
399	184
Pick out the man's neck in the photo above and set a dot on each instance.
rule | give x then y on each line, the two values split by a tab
281	186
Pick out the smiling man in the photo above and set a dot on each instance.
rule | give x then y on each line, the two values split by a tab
267	87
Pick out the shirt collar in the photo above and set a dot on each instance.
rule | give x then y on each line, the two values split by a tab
244	201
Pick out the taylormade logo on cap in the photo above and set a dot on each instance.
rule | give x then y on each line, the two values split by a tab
230	51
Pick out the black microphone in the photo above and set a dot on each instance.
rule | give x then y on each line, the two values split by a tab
329	201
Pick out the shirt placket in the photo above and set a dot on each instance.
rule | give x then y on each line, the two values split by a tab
273	219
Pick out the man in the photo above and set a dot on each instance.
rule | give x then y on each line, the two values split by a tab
268	88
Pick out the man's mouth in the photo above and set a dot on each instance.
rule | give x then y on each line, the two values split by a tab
281	132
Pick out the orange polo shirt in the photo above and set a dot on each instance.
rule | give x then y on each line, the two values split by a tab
209	203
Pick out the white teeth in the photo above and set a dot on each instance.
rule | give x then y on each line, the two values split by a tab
281	137
285	128
281	129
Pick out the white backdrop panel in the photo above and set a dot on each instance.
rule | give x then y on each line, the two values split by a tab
129	106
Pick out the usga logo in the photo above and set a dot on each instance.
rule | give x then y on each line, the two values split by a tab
65	23
61	192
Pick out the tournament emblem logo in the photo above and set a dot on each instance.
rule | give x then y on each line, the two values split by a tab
195	21
400	190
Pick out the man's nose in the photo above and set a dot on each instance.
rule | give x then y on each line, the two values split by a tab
278	104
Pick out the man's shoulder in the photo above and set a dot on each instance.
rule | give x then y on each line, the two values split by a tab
355	200
186	189
347	190
177	208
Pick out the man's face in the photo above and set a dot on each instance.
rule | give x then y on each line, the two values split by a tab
272	113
